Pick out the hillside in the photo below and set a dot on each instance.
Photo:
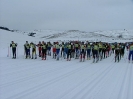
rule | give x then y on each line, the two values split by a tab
50	35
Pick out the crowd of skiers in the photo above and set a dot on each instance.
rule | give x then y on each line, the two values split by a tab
75	49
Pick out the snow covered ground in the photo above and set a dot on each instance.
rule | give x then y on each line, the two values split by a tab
111	36
36	79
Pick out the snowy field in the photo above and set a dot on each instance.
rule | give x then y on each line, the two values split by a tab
36	79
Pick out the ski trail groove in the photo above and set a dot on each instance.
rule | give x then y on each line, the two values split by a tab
34	76
85	80
34	89
123	89
95	82
81	90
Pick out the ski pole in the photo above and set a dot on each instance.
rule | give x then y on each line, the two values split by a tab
24	52
8	52
17	52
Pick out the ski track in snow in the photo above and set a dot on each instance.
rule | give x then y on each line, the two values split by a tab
50	79
40	79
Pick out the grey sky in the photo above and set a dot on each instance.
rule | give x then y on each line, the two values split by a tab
88	15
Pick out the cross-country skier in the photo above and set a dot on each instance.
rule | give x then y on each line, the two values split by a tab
120	46
104	51
65	50
44	49
77	49
27	49
88	47
69	46
39	48
57	50
122	49
130	52
62	49
117	53
82	51
95	52
49	45
13	45
107	50
72	51
127	46
33	50
54	50
113	48
100	50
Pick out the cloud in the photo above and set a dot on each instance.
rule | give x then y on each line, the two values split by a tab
86	15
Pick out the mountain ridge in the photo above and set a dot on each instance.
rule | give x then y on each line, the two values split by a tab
70	34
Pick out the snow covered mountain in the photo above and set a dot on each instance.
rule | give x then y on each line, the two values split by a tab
81	35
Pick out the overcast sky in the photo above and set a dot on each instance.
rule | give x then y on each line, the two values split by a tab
86	15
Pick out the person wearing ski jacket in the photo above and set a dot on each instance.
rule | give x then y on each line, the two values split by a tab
57	50
88	47
117	52
44	49
82	51
107	50
49	45
113	48
39	48
69	46
13	45
130	52
77	47
95	50
33	46
54	50
62	49
65	50
27	49
103	51
100	45
122	49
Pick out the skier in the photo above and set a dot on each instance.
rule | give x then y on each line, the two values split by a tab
65	50
95	52
44	49
103	51
33	50
100	50
72	50
57	50
62	49
69	46
117	53
54	50
49	48
88	46
113	48
27	49
127	46
83	52
122	49
107	50
77	49
39	48
130	52
13	45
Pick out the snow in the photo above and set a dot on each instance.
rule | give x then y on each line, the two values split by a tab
111	36
36	79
